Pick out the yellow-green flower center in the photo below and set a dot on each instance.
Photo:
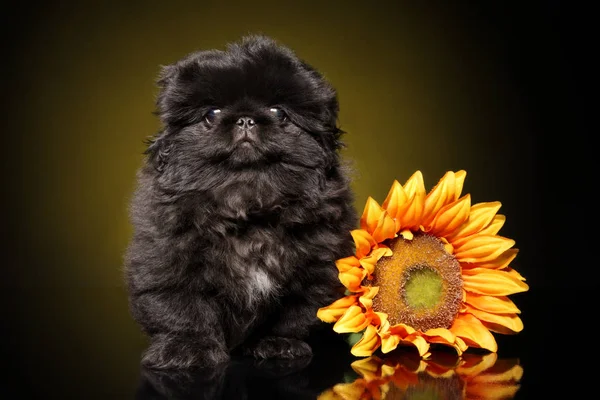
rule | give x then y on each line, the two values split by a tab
422	287
420	284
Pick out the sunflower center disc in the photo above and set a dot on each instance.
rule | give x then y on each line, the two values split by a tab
420	284
423	287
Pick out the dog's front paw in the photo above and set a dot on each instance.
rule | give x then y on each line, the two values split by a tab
174	352
279	347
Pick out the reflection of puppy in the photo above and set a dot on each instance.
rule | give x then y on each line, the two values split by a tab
240	210
299	378
238	379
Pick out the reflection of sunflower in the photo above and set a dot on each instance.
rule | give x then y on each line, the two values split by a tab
428	268
473	376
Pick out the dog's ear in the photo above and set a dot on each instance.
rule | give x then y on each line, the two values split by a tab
158	151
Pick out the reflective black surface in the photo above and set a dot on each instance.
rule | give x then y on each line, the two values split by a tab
83	344
398	375
245	378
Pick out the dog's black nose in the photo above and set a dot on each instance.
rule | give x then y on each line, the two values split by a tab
245	122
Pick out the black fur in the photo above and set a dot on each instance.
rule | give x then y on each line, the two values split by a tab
237	227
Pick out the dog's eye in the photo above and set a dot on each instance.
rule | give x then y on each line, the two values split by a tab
211	115
278	113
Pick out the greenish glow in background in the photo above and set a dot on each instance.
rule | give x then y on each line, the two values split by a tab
416	91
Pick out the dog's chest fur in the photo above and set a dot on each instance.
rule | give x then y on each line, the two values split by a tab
258	285
253	264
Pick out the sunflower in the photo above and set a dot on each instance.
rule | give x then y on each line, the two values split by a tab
475	376
429	268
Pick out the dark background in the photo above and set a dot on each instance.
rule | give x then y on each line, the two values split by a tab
500	89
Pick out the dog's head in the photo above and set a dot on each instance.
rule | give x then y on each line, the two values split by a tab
251	106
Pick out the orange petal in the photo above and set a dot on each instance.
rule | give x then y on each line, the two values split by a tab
410	217
442	333
490	230
398	203
498	328
402	330
384	324
447	246
451	217
494	227
406	234
385	229
514	274
492	282
389	343
388	251
371	215
460	345
353	278
347	263
419	342
396	200
335	310
459	181
367	298
441	194
369	262
353	320
501	262
363	241
509	321
480	216
367	345
482	248
472	331
369	265
492	304
445	337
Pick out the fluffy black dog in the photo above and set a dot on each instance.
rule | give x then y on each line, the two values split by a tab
241	208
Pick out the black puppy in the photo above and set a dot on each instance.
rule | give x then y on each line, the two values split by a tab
241	208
